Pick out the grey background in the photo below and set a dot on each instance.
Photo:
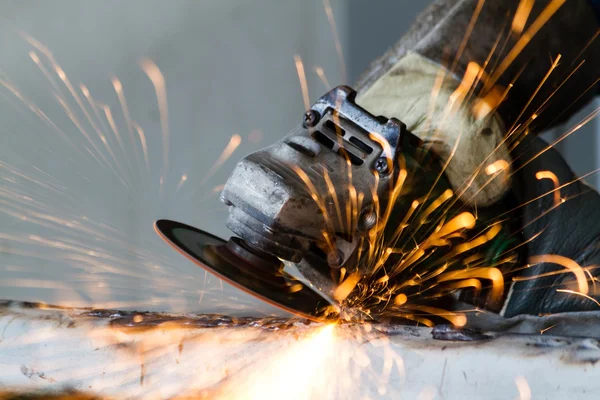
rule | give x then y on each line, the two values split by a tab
229	69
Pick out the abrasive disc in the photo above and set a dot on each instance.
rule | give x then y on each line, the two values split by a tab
272	285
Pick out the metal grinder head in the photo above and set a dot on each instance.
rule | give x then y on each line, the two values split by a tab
317	199
313	192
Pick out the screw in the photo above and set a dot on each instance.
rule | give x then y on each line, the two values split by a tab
381	165
311	117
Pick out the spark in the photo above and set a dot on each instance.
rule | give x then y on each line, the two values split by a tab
579	294
461	221
118	86
400	299
183	179
144	144
484	106
218	188
536	91
550	175
542	331
158	80
113	125
100	132
455	318
467	35
471	282
344	289
460	93
336	37
321	73
523	41
302	78
568	264
496	166
493	274
521	15
233	144
480	240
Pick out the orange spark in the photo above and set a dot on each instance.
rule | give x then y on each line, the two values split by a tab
455	318
218	188
468	32
472	282
302	78
233	144
400	299
437	202
479	241
183	179
579	294
465	220
483	106
321	73
344	289
385	145
521	15
544	16
568	264
121	95
463	89
550	175
142	137
542	331
336	38
158	80
497	166
492	274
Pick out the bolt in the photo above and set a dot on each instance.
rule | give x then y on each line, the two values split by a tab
311	117
381	165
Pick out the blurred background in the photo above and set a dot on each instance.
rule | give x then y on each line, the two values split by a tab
92	152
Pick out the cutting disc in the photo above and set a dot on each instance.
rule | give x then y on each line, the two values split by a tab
261	280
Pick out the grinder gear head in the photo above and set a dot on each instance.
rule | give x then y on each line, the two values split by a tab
356	202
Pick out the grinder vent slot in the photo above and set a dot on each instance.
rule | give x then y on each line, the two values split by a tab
361	145
342	136
333	127
346	154
323	139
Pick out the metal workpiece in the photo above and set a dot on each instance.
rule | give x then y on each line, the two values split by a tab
128	354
